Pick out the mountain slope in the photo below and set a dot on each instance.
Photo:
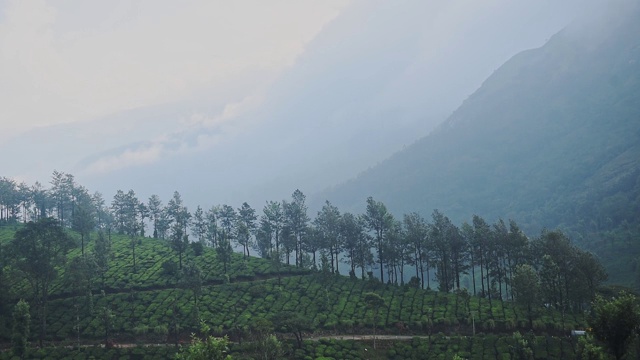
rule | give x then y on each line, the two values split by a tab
551	139
353	96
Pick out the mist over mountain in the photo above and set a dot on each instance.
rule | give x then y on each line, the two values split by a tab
375	79
551	139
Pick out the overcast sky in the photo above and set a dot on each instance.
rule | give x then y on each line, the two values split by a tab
305	93
66	61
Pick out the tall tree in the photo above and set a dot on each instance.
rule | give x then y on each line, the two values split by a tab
79	198
417	232
212	226
500	243
125	212
353	237
192	280
163	223
61	185
557	268
198	226
179	241
526	289
288	241
327	223
374	302
83	223
592	272
227	216
21	329
274	216
131	226
41	201
9	200
263	244
294	322
448	251
178	212
467	231
378	220
38	249
106	316
551	282
79	276
246	227
142	213
312	244
102	254
297	221
517	249
614	322
102	215
154	204
26	200
479	245
459	253
395	251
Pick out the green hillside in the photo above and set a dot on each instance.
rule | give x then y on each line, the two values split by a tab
551	140
151	305
256	288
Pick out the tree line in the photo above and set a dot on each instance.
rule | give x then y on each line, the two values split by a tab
434	253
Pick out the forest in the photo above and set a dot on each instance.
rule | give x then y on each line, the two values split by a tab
84	271
374	201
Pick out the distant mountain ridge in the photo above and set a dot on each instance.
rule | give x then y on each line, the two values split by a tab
551	139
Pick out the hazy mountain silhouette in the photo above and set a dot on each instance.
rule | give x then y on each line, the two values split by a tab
551	139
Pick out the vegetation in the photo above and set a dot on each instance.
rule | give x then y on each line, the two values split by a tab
95	274
615	322
209	348
38	249
125	287
550	139
21	328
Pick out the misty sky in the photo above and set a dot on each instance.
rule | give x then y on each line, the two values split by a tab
67	61
113	90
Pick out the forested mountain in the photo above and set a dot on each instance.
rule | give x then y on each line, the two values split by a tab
551	139
353	96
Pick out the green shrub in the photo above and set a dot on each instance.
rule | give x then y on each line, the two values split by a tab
141	329
539	325
161	330
489	324
197	248
509	324
169	268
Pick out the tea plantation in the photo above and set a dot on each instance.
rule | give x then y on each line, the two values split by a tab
154	307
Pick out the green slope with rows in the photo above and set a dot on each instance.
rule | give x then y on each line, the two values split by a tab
149	304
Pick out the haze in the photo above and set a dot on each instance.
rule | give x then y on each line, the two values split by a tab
244	100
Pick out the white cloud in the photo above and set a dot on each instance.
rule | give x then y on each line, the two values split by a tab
130	157
200	132
231	111
73	60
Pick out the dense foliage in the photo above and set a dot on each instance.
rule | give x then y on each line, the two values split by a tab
551	140
144	272
91	271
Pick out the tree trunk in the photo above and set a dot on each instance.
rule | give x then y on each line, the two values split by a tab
380	259
133	247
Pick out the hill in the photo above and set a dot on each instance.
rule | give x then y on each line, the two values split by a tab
353	95
551	139
152	303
